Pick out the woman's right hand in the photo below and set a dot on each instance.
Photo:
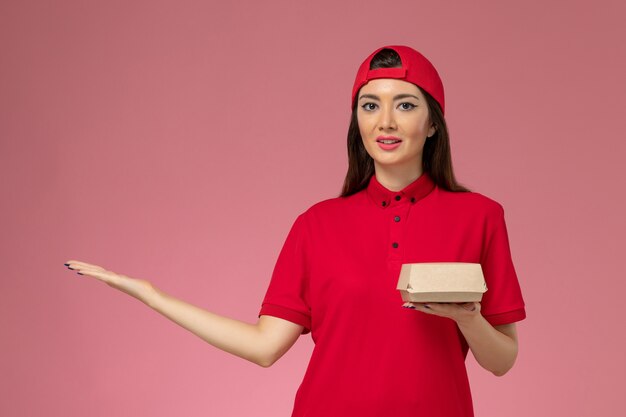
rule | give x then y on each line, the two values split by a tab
139	288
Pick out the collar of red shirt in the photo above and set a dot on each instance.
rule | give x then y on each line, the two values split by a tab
413	192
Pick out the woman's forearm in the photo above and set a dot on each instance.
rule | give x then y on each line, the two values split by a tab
230	335
262	343
492	349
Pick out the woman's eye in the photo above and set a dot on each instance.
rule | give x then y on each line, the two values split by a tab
403	106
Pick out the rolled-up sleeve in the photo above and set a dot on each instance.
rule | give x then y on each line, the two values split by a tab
502	303
287	294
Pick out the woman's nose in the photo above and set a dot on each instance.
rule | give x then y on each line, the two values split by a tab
387	120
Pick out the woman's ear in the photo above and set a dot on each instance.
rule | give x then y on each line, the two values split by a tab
432	130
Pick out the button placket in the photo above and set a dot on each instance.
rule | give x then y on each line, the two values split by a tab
398	211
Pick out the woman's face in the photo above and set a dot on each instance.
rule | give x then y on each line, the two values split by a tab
393	109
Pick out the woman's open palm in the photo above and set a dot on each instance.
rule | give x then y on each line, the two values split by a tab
138	288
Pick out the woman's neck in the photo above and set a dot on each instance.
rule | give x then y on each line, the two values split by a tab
395	178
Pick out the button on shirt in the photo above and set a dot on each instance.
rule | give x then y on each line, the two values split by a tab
337	273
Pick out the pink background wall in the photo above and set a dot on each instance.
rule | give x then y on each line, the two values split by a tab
178	141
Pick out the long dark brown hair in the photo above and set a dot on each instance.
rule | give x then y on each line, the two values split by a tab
436	159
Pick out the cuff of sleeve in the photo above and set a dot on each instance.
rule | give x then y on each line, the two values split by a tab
506	317
287	314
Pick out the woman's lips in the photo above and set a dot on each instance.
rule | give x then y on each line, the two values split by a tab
388	146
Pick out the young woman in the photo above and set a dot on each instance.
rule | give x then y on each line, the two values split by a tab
337	272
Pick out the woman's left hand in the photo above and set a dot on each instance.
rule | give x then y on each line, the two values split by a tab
459	312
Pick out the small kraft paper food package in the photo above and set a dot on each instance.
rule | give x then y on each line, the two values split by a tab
444	282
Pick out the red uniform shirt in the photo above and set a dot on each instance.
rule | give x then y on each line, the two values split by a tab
337	273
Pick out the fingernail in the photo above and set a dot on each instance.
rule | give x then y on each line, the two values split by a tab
426	305
413	307
66	264
80	273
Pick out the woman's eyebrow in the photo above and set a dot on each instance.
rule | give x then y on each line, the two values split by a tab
397	97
